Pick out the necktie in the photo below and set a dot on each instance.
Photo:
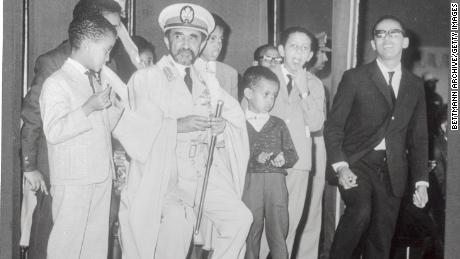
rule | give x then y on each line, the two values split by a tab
392	92
289	85
95	84
188	80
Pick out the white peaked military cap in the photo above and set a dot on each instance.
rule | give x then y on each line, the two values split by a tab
185	15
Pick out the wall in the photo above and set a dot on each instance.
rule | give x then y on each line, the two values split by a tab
314	15
11	104
247	19
48	24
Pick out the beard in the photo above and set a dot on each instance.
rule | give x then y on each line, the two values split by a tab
184	56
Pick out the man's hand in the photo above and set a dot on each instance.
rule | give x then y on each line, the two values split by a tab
193	123
347	178
279	160
217	125
263	157
300	81
420	196
35	180
97	101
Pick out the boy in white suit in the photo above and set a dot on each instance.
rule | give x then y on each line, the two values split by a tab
78	113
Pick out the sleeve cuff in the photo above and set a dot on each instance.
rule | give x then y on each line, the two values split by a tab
338	165
422	183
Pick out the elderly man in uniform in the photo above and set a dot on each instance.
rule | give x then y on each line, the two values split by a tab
166	132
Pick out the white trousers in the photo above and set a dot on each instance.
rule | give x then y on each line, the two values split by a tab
309	242
80	221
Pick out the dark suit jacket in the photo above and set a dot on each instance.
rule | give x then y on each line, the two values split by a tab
362	115
33	143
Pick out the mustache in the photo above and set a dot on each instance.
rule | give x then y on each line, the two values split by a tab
184	51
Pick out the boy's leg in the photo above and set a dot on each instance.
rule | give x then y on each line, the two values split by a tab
95	242
296	182
309	240
276	214
253	197
70	206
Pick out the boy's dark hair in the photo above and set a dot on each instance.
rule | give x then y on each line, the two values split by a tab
291	30
89	27
253	74
92	7
388	17
258	52
143	44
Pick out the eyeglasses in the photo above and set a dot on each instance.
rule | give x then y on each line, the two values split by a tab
274	60
393	33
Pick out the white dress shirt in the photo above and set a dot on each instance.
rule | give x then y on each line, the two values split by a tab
257	120
395	81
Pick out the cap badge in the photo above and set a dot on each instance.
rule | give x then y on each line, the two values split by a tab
187	14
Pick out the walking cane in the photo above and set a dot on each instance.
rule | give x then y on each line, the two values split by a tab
212	145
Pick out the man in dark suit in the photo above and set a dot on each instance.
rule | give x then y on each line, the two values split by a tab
33	143
376	139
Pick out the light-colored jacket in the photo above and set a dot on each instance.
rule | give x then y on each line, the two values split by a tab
228	78
79	146
304	107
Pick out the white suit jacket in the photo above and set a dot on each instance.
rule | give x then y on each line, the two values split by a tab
79	146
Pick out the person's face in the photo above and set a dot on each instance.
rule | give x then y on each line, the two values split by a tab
99	51
261	97
214	45
296	52
389	41
147	58
184	45
321	59
113	18
270	58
